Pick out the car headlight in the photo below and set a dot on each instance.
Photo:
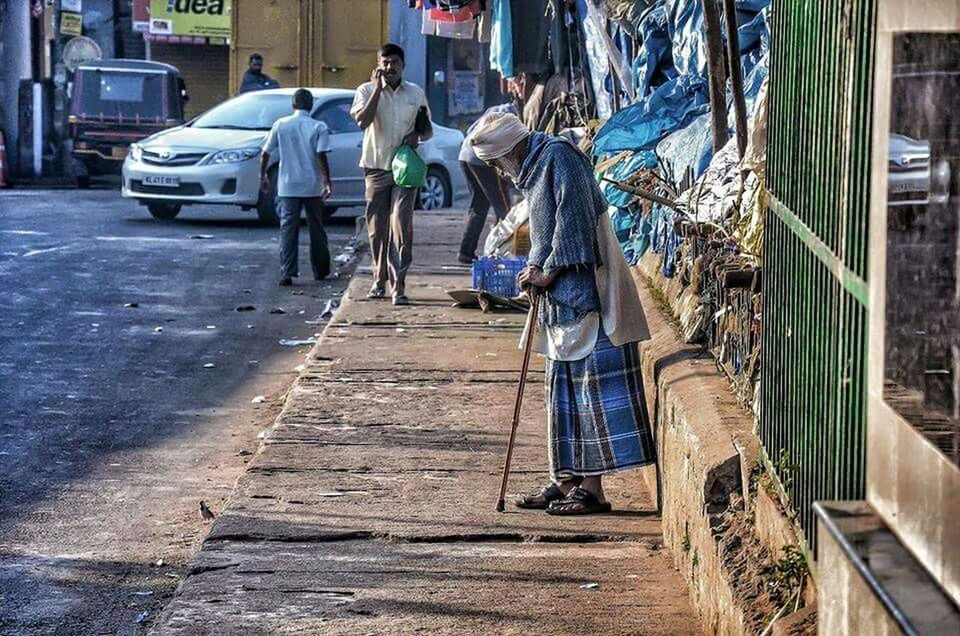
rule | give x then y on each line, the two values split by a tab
136	152
232	156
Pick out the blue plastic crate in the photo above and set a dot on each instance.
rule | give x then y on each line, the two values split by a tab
498	275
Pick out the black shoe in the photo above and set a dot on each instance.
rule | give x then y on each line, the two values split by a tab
286	282
466	259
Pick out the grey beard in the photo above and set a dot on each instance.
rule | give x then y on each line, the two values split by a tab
509	166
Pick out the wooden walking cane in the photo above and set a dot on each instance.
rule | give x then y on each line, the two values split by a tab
532	320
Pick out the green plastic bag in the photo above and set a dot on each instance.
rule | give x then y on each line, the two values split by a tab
409	170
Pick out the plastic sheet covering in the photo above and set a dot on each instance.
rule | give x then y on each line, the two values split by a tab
641	126
625	227
672	47
687	150
597	60
716	191
748	228
629	13
498	241
755	158
654	49
624	166
690	149
685	28
748	231
616	58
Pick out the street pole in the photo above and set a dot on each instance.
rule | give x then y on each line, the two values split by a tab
716	77
736	75
59	92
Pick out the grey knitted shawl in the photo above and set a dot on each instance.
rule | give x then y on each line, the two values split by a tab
564	204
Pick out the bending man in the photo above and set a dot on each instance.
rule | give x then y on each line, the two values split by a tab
589	322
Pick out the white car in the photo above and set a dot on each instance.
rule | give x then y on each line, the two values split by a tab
215	158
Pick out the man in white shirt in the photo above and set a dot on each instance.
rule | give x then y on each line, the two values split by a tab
303	183
386	109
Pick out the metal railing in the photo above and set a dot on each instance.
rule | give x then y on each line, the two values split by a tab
813	390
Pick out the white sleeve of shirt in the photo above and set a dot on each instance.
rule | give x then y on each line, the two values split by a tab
323	138
361	97
270	145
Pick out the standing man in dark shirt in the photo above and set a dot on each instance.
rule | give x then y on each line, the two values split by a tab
485	191
255	79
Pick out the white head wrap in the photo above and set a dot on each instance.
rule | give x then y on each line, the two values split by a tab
496	135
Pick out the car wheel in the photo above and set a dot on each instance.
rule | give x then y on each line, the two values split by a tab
164	211
268	206
436	191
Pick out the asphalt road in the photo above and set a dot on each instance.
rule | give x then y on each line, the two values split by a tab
113	424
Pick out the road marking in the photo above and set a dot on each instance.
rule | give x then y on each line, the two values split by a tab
26	233
44	251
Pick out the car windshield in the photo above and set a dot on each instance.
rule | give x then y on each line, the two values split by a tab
252	111
120	94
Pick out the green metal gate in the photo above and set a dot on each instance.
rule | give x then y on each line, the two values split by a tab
813	392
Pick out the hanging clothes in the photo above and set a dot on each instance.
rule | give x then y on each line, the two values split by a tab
531	34
451	19
501	39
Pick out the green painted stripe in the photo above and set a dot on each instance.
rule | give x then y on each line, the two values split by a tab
855	285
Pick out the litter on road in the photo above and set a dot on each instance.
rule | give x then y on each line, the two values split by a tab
330	307
246	308
201	237
157	329
131	305
297	343
143	617
590	586
259	399
209	365
277	310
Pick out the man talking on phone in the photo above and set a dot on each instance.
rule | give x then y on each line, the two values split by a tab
391	112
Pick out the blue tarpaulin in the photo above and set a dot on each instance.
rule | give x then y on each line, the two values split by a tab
672	105
673	49
654	49
670	121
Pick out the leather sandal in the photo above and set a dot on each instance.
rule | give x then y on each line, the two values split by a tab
540	500
579	502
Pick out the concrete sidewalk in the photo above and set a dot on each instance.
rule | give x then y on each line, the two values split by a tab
369	508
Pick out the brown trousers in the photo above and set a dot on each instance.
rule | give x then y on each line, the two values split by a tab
390	228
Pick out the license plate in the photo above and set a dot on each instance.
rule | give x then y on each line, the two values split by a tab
118	152
164	182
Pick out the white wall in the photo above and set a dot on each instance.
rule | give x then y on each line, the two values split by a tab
15	53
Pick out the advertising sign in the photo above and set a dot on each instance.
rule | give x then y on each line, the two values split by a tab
71	23
197	18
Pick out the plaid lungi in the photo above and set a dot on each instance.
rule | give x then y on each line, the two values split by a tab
596	413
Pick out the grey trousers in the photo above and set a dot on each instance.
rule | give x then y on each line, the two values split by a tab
290	208
390	228
484	191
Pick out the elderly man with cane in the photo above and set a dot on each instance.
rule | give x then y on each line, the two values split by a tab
588	322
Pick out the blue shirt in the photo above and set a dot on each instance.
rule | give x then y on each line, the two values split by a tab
299	138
